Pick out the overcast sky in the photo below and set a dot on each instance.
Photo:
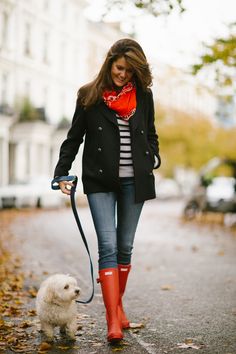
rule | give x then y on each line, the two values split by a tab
177	39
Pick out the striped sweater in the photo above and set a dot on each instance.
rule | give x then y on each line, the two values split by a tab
126	161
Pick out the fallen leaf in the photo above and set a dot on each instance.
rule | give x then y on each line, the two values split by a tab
194	248
25	324
12	340
167	287
63	347
188	346
117	349
134	325
32	292
45	346
221	253
178	248
148	268
97	344
188	341
32	312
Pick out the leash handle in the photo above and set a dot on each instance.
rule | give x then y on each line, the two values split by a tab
55	186
56	180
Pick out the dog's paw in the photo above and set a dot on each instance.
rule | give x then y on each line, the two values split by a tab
47	338
71	336
62	330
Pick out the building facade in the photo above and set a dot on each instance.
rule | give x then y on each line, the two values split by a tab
48	49
180	91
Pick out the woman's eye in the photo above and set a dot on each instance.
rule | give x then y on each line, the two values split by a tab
66	286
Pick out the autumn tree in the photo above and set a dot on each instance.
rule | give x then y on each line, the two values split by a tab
190	141
153	7
220	58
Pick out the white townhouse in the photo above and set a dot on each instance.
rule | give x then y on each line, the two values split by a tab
48	49
181	91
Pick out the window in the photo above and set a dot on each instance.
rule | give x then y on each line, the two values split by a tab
27	40
62	57
63	11
27	88
45	98
45	47
4	90
4	29
46	5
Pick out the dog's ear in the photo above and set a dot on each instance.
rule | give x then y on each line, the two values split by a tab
49	294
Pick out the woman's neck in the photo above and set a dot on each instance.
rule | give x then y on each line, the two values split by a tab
117	88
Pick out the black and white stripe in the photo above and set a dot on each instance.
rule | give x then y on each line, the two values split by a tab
126	161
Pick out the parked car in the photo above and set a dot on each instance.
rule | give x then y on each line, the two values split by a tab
167	188
33	193
215	192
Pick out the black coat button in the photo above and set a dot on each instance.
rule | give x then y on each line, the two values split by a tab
100	171
141	131
99	149
100	128
150	173
147	152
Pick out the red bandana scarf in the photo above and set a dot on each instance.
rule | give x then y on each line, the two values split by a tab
123	103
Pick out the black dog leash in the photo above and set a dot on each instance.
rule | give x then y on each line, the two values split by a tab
55	186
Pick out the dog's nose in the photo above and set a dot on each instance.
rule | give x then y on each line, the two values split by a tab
77	291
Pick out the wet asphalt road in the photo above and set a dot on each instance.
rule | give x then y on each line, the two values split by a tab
182	286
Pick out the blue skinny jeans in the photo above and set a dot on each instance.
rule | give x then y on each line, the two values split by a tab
115	217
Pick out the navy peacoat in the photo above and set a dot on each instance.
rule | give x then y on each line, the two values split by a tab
100	163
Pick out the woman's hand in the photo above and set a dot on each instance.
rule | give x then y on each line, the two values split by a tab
65	187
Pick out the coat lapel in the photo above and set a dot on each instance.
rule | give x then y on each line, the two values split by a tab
134	121
108	113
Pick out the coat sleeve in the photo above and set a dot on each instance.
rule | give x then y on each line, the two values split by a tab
71	144
152	134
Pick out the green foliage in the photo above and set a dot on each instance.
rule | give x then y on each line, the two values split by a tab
221	57
28	113
153	7
64	123
191	141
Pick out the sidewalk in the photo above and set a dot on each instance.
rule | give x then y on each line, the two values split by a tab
182	286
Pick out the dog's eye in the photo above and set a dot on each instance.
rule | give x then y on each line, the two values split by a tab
66	286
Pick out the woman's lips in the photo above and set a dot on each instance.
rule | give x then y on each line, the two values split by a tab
121	81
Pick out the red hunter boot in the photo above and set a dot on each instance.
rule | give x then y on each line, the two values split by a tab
109	280
123	276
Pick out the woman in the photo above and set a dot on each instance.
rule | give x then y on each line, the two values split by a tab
115	114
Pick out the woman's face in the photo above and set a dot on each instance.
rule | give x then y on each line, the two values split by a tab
121	72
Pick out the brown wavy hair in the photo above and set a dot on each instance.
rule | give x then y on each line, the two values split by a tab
91	93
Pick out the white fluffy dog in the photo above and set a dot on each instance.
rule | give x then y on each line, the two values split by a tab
56	306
